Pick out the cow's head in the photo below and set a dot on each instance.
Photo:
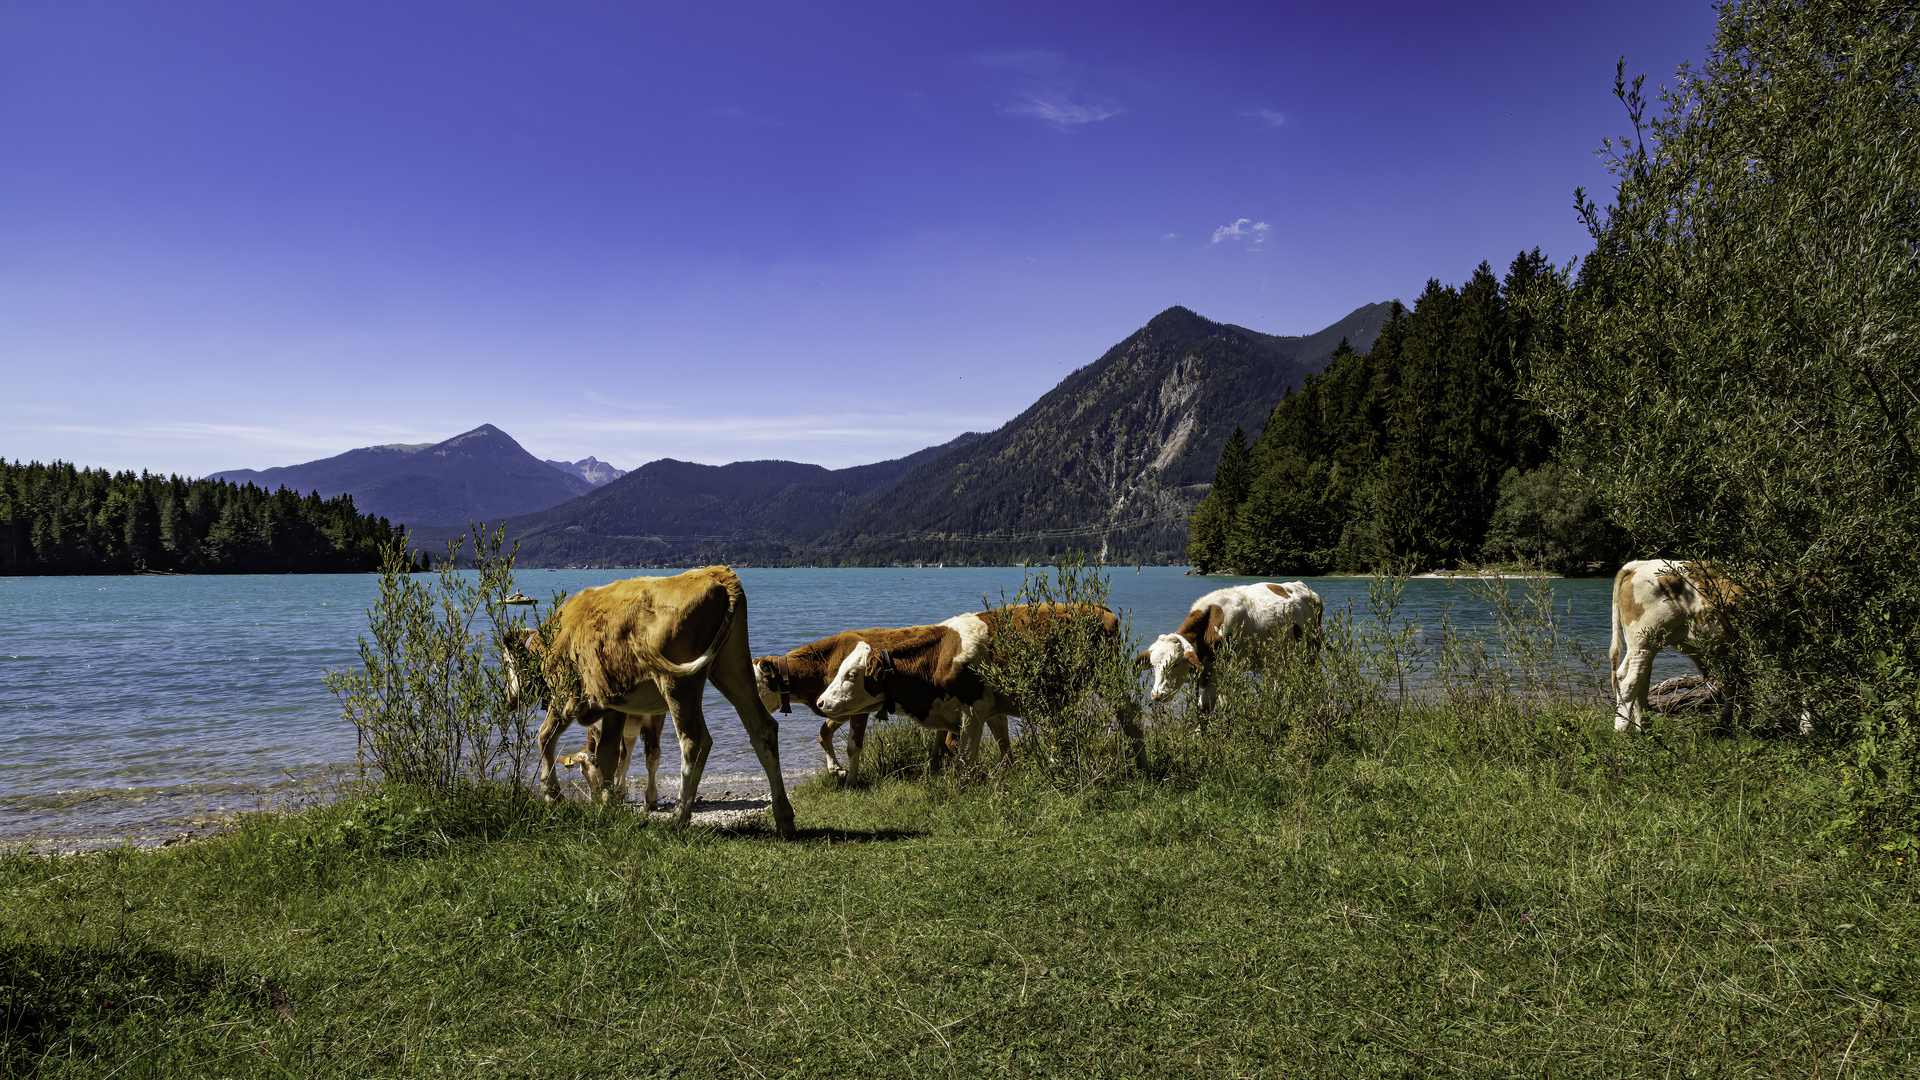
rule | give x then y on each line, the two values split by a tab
850	687
516	645
767	681
1172	660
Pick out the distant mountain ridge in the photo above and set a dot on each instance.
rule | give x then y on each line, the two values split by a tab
481	474
670	510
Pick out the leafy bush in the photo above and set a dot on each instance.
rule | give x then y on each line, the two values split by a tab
1079	699
1733	367
429	701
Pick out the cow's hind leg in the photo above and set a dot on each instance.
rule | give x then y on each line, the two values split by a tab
1630	686
690	723
734	678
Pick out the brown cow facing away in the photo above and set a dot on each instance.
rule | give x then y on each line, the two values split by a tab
646	646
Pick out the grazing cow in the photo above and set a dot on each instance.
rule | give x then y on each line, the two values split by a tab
646	646
586	760
928	673
803	675
1657	603
1241	611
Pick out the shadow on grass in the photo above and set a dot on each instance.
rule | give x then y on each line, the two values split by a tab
77	999
764	831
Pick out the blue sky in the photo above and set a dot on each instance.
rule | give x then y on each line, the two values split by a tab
244	234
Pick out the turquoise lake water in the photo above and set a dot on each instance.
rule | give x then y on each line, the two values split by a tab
141	707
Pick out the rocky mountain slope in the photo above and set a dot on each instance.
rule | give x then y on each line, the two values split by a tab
1112	460
481	474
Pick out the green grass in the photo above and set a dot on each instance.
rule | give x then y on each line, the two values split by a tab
1433	900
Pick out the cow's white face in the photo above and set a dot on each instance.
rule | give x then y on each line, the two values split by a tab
1173	663
528	640
846	691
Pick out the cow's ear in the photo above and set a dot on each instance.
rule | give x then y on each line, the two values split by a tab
1143	662
873	662
1192	658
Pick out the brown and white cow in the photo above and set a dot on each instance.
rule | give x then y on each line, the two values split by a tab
632	728
1256	611
1657	603
803	674
646	646
930	673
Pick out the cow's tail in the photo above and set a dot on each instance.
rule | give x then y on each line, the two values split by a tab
699	663
1614	637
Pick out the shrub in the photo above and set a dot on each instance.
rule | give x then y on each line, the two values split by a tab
1079	698
429	700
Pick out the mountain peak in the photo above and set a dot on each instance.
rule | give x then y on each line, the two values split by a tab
482	474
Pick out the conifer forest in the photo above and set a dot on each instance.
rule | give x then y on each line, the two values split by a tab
59	519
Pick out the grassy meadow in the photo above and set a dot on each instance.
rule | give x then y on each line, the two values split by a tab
1496	891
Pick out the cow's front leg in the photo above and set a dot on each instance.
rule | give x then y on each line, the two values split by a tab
650	729
856	742
997	723
827	728
549	740
970	724
610	774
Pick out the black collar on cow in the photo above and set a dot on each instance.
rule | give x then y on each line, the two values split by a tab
786	684
883	674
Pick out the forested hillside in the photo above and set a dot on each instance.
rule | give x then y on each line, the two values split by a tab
667	511
1418	452
58	519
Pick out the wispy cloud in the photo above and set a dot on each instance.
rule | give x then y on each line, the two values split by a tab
1048	89
1061	111
1241	229
1171	236
1264	118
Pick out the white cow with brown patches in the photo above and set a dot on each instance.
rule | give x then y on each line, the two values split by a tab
1657	603
1249	612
